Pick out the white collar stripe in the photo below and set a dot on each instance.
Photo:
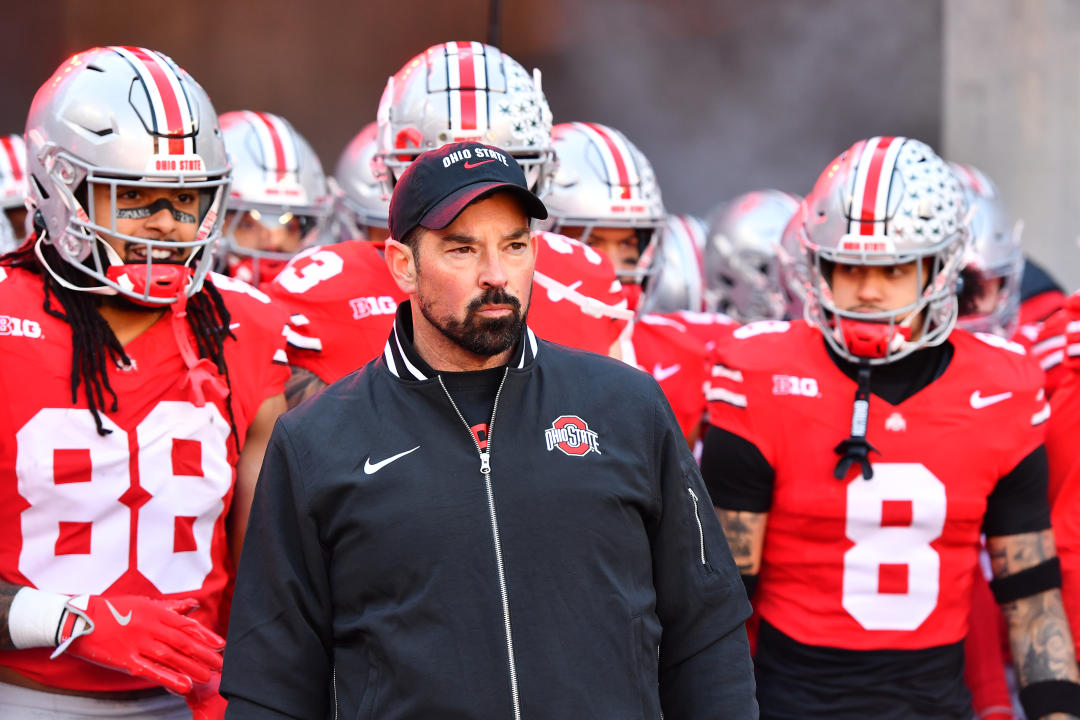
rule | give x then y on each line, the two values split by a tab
404	358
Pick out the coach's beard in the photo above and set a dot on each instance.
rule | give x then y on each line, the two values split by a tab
483	336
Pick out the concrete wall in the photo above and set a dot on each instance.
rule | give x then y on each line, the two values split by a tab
1011	102
724	96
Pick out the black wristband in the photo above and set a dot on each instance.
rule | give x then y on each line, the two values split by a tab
1032	581
1050	696
750	582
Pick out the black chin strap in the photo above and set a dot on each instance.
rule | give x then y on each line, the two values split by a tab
855	448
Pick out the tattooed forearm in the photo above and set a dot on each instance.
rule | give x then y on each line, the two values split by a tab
1010	554
301	385
7	594
1042	645
745	532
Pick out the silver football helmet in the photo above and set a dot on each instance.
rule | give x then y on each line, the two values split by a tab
885	201
277	181
458	91
677	281
123	116
789	271
12	191
603	180
363	202
741	255
994	262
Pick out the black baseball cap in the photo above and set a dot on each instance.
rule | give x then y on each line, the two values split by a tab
440	183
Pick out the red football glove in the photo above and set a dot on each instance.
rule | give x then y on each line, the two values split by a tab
205	701
150	639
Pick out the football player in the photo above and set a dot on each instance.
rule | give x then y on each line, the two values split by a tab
363	204
450	92
741	255
605	194
12	192
1065	460
139	392
854	459
989	302
279	200
990	278
678	282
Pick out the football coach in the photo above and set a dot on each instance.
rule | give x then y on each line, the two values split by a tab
478	523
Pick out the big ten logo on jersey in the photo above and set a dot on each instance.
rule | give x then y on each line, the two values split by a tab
17	327
145	498
791	385
363	307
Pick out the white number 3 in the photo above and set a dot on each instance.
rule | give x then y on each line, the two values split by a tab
92	498
891	576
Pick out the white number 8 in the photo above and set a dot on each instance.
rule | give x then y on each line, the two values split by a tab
891	575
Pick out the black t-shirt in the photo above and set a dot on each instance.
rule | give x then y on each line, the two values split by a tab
474	394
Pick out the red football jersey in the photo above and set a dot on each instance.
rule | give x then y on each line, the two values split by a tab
1038	308
1064	458
884	563
662	346
341	301
577	299
710	328
1058	342
140	511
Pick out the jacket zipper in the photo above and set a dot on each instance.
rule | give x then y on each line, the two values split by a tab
485	470
697	517
658	673
334	681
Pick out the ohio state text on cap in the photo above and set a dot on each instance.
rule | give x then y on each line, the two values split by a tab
440	183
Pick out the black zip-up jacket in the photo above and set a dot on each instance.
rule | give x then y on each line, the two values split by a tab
582	574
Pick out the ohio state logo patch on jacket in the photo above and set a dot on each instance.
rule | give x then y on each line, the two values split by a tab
572	435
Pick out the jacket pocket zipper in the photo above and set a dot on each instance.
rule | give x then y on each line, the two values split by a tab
700	529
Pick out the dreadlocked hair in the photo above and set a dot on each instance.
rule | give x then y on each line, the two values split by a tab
93	343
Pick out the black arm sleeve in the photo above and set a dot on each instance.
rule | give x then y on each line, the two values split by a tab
737	474
1020	501
277	657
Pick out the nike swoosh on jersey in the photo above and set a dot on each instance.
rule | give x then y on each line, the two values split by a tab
470	166
662	373
120	619
371	468
979	402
